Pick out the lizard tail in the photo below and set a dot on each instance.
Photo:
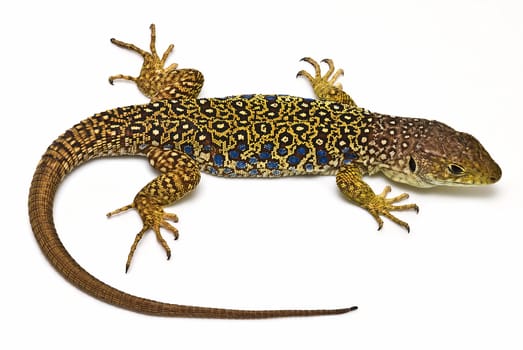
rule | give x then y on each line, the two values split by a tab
54	165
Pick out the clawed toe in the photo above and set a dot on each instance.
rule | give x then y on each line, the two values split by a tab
171	229
170	216
326	87
382	206
154	218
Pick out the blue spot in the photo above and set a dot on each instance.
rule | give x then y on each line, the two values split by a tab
321	153
212	170
188	149
272	164
265	155
241	164
247	96
227	171
345	150
282	151
293	160
253	160
234	154
309	167
276	172
242	147
270	97
301	150
268	146
348	157
218	159
207	148
253	172
323	160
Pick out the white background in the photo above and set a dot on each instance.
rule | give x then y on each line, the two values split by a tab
454	283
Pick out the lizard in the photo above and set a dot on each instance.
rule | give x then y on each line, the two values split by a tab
256	135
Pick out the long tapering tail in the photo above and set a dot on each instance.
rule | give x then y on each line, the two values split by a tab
54	165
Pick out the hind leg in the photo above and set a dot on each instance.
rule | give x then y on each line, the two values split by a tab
179	176
158	82
326	86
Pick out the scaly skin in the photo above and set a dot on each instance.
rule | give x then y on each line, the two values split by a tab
245	136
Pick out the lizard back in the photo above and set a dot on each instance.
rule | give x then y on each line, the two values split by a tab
248	135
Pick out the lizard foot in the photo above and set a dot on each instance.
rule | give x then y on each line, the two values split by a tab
381	205
153	218
156	81
327	80
326	87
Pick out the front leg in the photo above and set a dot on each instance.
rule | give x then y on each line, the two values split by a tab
350	182
180	175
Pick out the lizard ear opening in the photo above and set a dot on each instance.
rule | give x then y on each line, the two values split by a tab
412	164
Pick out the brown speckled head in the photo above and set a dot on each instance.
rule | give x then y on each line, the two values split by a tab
426	153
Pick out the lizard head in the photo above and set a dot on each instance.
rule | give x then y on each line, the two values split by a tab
427	153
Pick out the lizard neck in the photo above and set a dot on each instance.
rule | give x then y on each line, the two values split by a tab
388	142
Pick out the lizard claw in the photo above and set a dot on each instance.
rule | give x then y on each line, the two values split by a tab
326	86
380	205
154	218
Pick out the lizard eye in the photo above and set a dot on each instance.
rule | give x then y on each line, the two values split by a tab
412	164
456	169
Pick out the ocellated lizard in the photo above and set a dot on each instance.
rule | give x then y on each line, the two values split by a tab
246	136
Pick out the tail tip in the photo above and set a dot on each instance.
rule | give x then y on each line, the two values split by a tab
348	309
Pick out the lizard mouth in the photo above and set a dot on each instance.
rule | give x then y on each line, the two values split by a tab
462	182
425	181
